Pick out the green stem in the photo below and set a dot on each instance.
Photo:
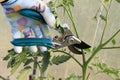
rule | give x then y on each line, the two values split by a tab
97	26
35	65
84	70
101	46
104	5
39	67
111	37
90	58
84	67
70	56
87	78
83	56
106	22
94	53
71	18
103	31
41	74
114	47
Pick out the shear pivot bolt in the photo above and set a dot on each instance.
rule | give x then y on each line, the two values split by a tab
71	41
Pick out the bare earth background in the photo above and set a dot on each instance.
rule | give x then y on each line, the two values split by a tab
84	11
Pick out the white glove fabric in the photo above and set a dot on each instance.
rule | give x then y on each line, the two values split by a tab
28	27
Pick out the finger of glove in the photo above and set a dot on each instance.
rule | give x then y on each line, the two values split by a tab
40	33
49	17
46	13
28	34
15	35
37	32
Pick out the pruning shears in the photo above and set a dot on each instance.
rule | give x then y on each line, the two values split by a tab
66	39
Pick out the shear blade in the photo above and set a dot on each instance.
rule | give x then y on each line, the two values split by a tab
76	48
82	45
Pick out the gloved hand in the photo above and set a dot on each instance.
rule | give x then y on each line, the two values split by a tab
26	26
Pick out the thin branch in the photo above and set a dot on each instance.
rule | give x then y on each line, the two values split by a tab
71	18
39	68
101	46
74	26
70	56
35	65
88	76
94	53
97	26
83	56
115	47
106	22
111	38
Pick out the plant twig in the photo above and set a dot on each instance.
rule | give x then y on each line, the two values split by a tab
70	56
106	22
111	38
97	26
71	18
35	65
114	47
